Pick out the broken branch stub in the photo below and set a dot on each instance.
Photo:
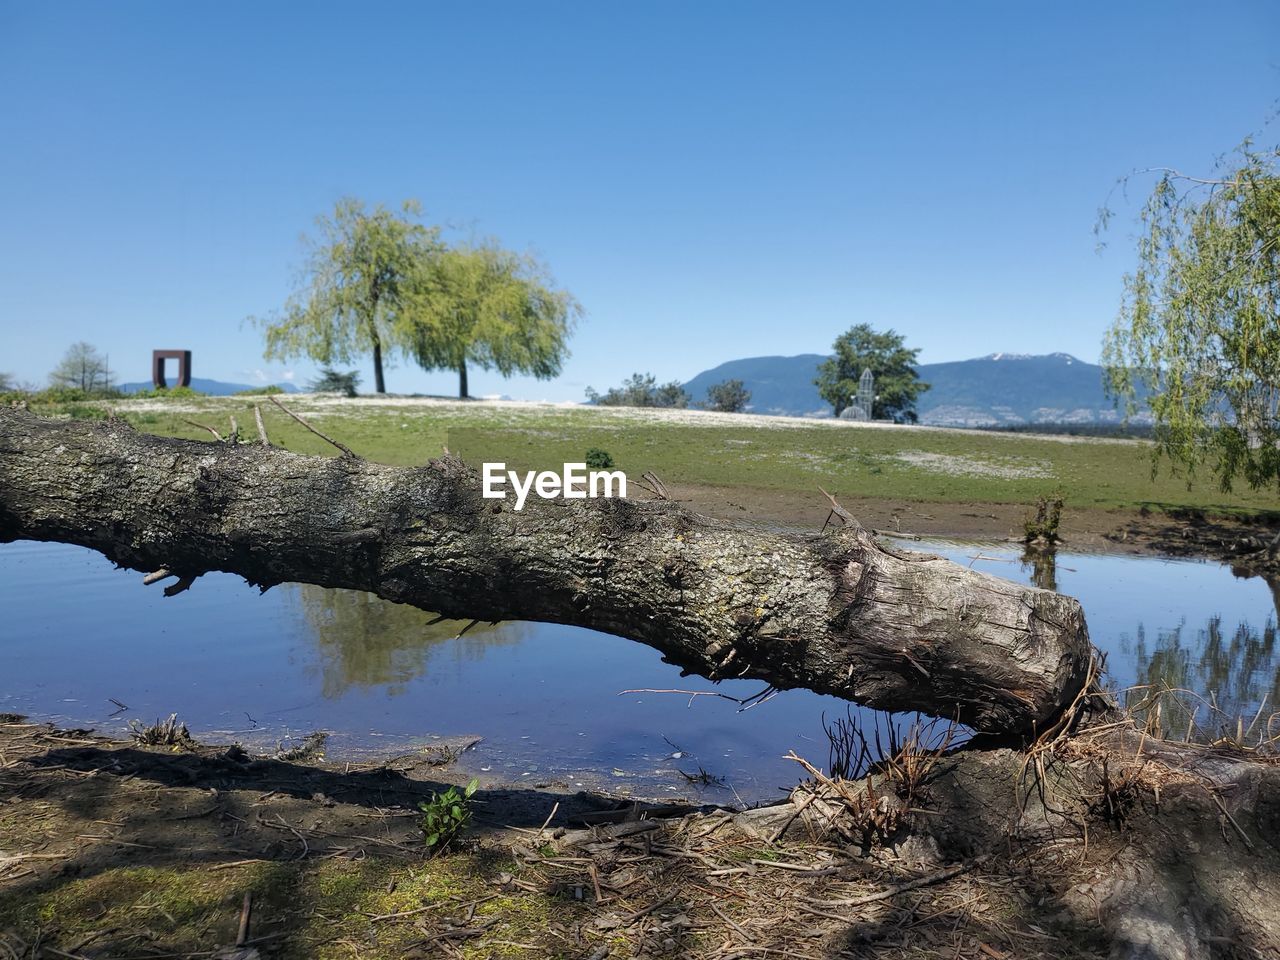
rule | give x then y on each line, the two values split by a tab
836	613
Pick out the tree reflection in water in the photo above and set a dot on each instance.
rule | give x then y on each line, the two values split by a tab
1230	677
364	641
1043	564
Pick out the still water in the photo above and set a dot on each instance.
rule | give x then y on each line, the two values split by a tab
78	638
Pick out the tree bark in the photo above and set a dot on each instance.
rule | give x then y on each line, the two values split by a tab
379	384
462	379
837	613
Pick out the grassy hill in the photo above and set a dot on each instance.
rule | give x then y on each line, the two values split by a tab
728	450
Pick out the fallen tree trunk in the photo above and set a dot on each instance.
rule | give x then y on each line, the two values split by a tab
836	613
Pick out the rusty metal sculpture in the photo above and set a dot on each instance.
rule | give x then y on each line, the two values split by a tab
158	357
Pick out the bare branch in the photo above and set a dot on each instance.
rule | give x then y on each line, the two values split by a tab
649	481
346	451
216	435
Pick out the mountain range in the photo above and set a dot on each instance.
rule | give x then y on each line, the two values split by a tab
1000	389
214	388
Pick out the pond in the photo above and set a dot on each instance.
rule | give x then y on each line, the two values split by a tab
78	639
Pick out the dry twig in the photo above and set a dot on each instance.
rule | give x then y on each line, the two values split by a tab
346	451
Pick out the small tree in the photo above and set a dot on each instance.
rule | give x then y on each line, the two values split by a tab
7	383
671	395
355	287
82	368
487	307
887	357
731	396
641	390
1199	324
331	381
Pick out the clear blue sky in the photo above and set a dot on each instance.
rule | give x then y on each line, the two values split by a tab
712	180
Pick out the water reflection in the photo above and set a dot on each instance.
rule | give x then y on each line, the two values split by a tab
1273	583
363	641
1042	562
1228	675
237	664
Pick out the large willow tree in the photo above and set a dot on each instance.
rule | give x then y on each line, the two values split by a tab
356	286
1199	325
483	306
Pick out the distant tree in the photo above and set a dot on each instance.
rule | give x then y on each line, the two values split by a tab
83	368
641	390
671	395
1199	324
331	381
354	288
487	307
731	396
7	383
886	355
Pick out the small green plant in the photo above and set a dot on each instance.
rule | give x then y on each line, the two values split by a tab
445	814
270	390
598	459
1043	527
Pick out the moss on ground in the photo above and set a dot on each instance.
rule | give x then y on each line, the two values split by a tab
319	908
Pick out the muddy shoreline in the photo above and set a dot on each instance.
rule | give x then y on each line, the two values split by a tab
1183	533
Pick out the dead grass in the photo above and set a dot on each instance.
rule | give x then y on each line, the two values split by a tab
170	732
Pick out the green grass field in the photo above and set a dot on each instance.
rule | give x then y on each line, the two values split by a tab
761	453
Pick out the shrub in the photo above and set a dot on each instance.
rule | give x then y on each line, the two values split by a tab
331	381
70	395
445	814
270	390
1043	526
167	393
598	459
